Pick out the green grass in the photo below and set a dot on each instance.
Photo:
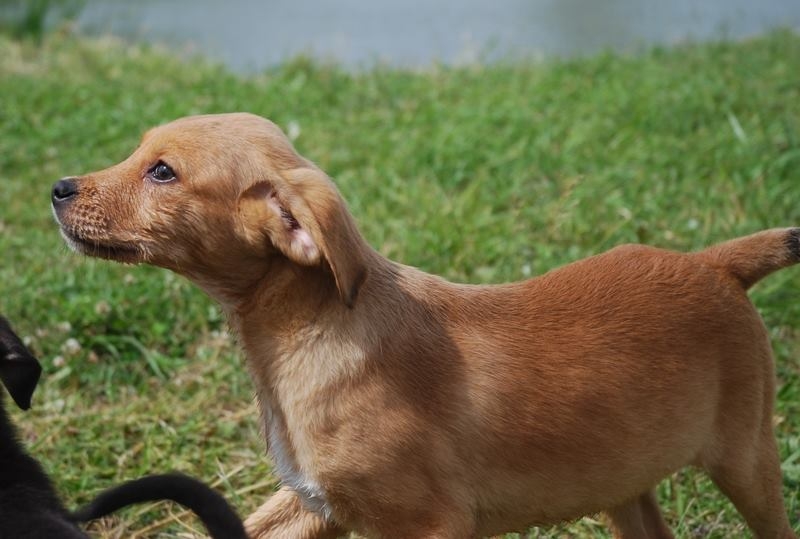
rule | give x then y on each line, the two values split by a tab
481	174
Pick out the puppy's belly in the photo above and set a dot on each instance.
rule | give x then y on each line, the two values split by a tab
579	463
515	502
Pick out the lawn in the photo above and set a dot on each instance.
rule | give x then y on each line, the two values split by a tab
486	173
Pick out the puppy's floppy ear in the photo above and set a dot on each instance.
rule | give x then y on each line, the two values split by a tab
19	370
308	221
263	210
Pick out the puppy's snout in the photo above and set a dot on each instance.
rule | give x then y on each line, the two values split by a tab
64	190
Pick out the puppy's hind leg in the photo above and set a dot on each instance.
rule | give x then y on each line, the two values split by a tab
283	516
640	518
751	478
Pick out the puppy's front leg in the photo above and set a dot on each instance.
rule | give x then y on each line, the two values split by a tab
284	517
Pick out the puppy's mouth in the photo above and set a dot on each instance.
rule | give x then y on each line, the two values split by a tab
127	253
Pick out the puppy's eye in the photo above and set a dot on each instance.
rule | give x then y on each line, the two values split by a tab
161	172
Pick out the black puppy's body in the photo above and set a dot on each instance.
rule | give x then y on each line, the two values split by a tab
29	505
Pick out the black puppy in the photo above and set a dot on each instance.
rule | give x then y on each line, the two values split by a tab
29	506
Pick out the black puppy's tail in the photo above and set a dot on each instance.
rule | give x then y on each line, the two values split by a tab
217	515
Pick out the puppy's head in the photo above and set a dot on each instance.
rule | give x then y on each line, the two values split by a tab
214	198
19	370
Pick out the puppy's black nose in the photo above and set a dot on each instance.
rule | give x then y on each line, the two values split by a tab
64	189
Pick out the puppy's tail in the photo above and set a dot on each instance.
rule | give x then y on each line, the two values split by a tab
751	258
219	518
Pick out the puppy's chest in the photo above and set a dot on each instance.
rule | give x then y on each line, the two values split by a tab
295	462
298	408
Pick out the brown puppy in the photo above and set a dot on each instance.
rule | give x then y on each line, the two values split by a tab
397	404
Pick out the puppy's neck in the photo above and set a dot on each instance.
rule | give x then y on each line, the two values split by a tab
258	285
284	296
273	313
295	312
